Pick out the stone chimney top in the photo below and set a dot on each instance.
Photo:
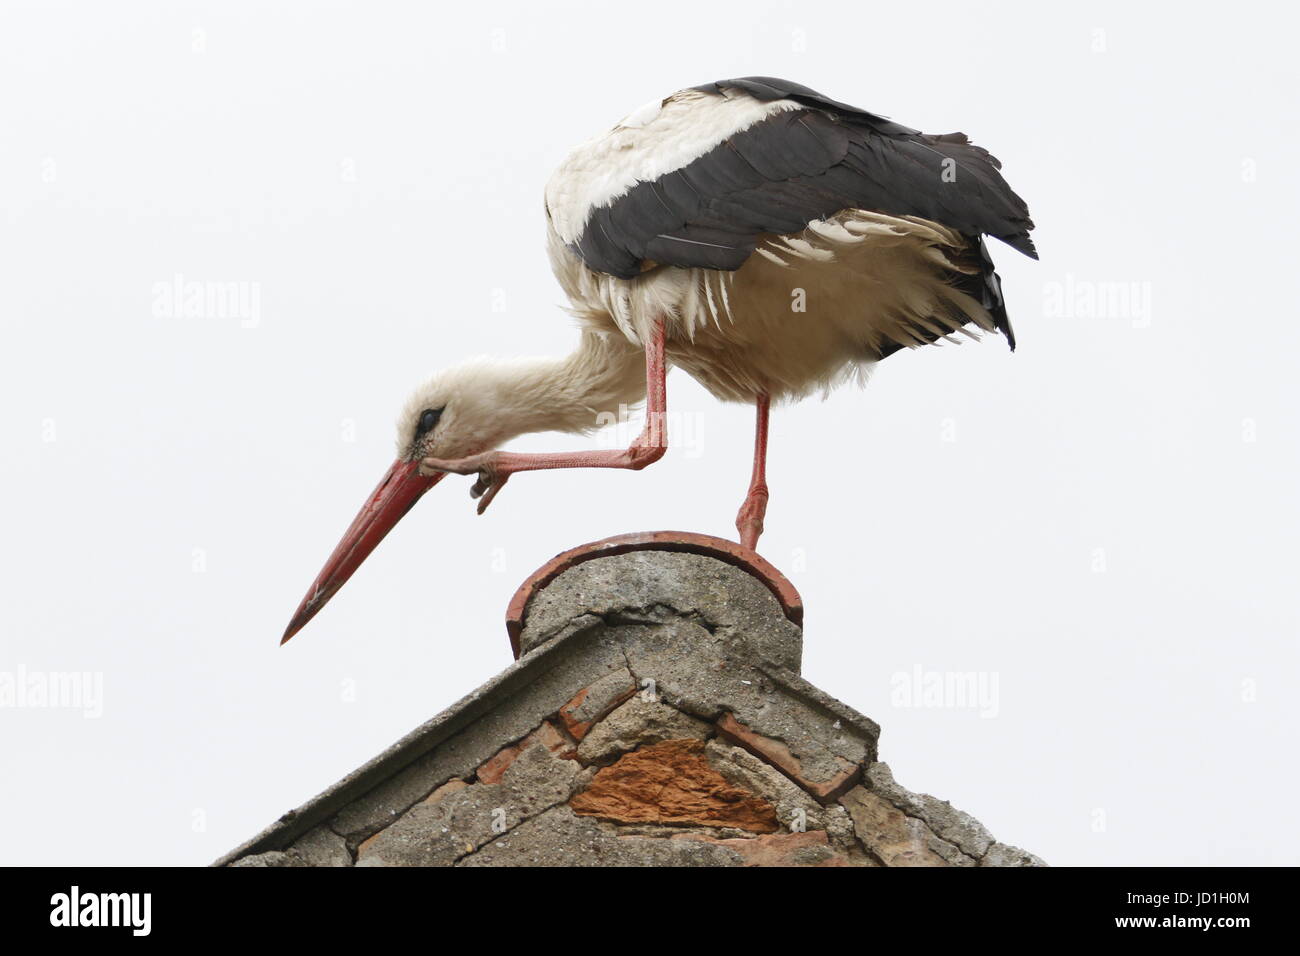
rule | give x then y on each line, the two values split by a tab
655	716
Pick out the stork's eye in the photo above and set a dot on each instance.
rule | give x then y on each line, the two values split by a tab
428	420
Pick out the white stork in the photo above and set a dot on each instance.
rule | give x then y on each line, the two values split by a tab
684	236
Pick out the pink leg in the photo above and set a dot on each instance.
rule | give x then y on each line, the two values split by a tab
749	521
494	468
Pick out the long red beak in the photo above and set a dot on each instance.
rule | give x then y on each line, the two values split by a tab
400	489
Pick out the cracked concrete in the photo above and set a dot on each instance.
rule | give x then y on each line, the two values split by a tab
559	837
636	723
727	604
676	676
438	832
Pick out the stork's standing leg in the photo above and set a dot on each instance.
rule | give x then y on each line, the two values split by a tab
749	521
494	468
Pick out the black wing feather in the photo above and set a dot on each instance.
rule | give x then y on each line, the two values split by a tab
792	168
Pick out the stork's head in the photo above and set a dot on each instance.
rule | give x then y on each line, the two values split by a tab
459	412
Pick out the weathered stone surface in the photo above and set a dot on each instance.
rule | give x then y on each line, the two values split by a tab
954	826
743	617
638	722
448	788
681	663
894	838
439	832
709	643
451	786
795	809
667	831
1000	854
690	668
847	732
270	858
844	774
495	766
382	805
592	703
559	837
319	846
787	849
672	782
520	705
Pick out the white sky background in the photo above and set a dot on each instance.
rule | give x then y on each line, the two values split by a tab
1105	522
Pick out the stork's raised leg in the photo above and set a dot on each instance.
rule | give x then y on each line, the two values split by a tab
749	520
494	468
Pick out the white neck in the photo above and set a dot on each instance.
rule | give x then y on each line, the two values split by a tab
576	393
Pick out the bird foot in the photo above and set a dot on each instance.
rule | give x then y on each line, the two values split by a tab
492	477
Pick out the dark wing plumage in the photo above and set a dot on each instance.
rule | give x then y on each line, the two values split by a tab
793	167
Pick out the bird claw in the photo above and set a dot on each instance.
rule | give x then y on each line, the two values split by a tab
489	482
486	488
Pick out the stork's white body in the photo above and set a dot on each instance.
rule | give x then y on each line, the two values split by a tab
808	310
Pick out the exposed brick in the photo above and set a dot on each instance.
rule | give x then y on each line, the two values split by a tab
672	783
